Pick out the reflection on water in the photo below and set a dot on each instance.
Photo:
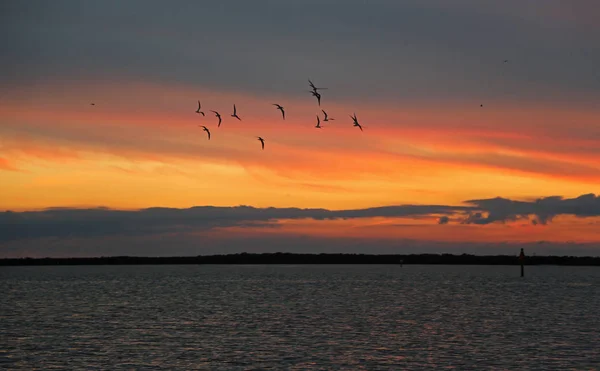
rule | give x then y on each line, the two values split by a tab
299	317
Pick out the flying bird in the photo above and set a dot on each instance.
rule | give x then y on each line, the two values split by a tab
198	110
262	142
506	61
318	126
314	88
326	117
92	104
206	130
235	113
356	122
317	95
281	109
218	116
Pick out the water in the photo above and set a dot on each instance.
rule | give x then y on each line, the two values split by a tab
299	317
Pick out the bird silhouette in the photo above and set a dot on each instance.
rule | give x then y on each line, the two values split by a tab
326	117
218	116
356	122
206	130
318	126
198	110
92	104
235	113
262	142
314	88
317	95
281	109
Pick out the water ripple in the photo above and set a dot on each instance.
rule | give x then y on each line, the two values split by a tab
299	317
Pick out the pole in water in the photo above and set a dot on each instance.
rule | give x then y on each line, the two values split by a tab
522	260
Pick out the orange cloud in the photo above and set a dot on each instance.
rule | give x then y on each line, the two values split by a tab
6	165
137	131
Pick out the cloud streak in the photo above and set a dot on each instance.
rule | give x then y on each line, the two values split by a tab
565	157
543	209
6	165
101	222
438	47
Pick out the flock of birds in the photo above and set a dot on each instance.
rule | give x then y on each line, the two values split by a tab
315	93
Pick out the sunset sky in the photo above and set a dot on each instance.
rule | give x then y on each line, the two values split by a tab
433	171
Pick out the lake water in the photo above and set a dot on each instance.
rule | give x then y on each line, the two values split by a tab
299	317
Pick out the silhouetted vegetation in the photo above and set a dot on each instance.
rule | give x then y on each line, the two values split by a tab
291	258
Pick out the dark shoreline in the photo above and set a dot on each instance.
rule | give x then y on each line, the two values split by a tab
291	258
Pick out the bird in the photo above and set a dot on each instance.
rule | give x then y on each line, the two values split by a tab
506	61
356	122
262	142
218	116
314	88
281	109
326	117
318	126
481	105
235	113
206	130
198	110
317	95
92	104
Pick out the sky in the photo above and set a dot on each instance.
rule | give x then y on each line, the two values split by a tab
461	151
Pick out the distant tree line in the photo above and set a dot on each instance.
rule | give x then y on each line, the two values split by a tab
292	258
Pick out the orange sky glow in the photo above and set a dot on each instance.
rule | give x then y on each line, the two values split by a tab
140	146
481	123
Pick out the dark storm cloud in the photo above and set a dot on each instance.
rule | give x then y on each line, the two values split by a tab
543	209
407	49
64	222
101	222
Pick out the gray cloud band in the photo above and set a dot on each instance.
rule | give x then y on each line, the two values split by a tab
387	49
64	222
